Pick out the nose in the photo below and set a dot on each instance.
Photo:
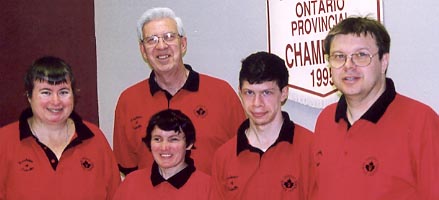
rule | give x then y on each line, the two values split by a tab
55	99
164	145
161	44
257	100
349	63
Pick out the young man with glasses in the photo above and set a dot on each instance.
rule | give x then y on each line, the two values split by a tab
210	103
374	143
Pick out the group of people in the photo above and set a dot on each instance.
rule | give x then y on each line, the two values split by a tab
180	134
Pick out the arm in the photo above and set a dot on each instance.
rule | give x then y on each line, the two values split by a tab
123	150
216	192
427	157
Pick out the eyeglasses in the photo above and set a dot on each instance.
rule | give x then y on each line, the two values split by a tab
168	38
361	59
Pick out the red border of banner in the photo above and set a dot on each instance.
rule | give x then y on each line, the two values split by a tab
297	87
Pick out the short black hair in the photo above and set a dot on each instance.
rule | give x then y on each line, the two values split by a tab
263	66
171	120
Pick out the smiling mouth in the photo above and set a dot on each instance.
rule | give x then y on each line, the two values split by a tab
165	155
163	56
351	78
57	110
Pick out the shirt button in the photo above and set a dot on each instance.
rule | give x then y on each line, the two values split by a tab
52	161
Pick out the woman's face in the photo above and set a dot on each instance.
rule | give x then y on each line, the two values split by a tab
169	149
51	104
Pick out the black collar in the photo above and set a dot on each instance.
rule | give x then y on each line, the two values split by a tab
82	131
178	180
286	134
192	83
376	111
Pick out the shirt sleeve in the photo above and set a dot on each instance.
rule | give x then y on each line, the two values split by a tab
426	151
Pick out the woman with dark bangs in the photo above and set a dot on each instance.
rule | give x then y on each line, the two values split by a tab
50	152
170	136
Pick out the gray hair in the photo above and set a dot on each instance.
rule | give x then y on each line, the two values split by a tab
158	13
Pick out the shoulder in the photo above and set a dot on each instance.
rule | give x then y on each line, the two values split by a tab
136	88
328	111
93	128
227	149
98	135
207	79
201	177
410	104
9	132
302	134
138	177
411	110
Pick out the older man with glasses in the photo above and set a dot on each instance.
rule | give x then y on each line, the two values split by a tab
211	103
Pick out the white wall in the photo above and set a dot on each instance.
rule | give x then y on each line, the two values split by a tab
221	33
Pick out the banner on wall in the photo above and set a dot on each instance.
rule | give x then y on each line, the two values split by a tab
296	30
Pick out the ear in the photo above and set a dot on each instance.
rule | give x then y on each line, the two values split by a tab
284	93
189	147
28	97
143	51
385	62
183	44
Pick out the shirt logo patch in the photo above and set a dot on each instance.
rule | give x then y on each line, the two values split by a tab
289	183
200	111
370	166
231	183
26	165
87	164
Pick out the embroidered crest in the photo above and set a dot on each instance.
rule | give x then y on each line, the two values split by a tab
200	111
289	183
370	166
26	165
87	164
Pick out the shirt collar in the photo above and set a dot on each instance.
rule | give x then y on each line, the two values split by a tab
82	131
286	134
192	83
178	180
376	111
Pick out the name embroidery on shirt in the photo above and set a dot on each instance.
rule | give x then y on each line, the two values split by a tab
26	165
135	124
230	183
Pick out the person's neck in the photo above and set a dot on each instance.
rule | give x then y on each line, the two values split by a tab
172	81
170	172
54	136
263	136
357	106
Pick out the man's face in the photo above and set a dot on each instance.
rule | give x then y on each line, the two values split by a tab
163	56
359	82
262	102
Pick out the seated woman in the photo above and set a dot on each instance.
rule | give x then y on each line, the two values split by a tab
50	152
170	136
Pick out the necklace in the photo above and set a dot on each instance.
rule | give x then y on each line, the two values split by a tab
34	133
